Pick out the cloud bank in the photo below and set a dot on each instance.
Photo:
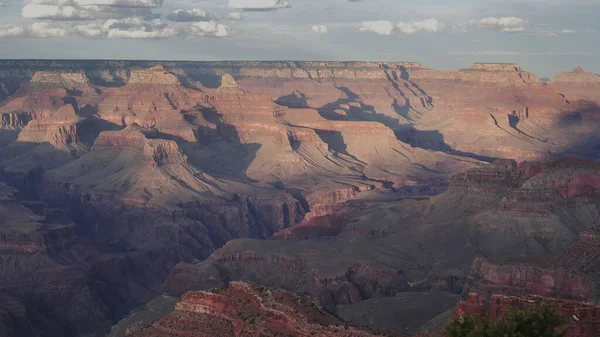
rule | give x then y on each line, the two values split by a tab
191	15
207	29
38	29
130	28
258	4
320	29
77	10
377	27
429	25
11	31
506	24
236	16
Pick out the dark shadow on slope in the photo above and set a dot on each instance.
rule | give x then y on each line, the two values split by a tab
588	147
295	100
206	77
9	87
513	122
571	119
116	78
433	140
74	93
8	136
89	129
426	139
334	140
219	151
88	111
406	76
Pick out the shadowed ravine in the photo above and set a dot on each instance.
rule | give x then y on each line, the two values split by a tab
147	198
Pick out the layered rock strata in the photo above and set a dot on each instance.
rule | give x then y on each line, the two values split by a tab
247	310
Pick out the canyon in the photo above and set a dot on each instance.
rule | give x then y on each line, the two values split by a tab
359	186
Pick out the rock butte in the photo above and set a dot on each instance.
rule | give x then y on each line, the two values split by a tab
371	180
247	310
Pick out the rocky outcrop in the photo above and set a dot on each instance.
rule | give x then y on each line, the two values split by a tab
567	274
581	317
15	120
552	185
163	165
44	288
59	128
578	85
526	279
151	98
500	176
246	310
77	83
156	75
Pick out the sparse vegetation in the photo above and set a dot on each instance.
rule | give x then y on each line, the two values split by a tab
543	322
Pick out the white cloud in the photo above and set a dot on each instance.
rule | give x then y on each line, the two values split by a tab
506	24
568	31
11	31
210	29
429	25
45	30
116	3
74	13
258	4
320	29
91	30
236	16
378	27
73	10
191	15
130	28
3	4
38	29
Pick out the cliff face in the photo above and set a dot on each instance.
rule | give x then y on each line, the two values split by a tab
581	317
520	280
394	94
473	213
344	163
247	310
567	280
577	84
44	292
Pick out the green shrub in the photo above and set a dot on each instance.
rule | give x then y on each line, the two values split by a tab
543	322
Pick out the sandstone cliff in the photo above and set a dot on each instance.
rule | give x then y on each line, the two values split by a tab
247	310
166	165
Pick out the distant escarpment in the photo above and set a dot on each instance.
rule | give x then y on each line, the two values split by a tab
577	85
361	180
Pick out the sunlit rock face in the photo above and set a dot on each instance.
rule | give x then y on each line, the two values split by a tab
245	310
361	180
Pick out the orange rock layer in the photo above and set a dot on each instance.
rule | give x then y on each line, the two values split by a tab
248	311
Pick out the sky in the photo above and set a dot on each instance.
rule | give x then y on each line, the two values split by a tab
543	36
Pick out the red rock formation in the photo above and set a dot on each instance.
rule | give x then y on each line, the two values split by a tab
577	85
525	279
246	310
44	112
193	169
552	185
582	318
151	98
